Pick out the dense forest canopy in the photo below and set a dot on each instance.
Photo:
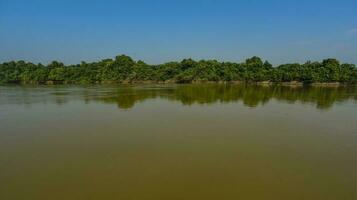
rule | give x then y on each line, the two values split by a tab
125	69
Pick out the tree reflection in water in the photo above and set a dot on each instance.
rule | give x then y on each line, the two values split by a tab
250	95
126	96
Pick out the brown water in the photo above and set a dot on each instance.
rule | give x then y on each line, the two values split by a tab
178	142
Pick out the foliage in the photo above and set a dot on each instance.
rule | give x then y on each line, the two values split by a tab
125	69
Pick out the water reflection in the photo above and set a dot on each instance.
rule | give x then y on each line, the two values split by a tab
126	97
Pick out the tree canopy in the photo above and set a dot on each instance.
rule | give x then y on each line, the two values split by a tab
125	69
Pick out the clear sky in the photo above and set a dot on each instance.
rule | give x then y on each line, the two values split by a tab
157	31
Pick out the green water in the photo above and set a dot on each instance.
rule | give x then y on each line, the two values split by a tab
178	142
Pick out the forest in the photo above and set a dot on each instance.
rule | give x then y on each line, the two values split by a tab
123	69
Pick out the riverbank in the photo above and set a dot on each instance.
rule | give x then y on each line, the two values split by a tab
260	83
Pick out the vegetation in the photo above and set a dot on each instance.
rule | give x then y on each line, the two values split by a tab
125	69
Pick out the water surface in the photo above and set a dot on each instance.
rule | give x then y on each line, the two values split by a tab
179	142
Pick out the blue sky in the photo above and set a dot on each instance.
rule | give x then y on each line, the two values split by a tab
157	31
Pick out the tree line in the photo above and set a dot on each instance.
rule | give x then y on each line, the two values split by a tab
124	69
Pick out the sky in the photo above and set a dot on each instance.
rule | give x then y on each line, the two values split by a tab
157	31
